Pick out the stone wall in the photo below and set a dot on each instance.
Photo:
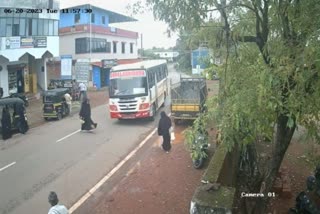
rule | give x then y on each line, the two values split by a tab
216	192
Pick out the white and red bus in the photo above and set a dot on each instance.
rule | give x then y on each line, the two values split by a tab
138	90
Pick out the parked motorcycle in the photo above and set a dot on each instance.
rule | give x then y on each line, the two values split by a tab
199	150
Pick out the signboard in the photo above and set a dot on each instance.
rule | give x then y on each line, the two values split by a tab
66	67
82	69
26	42
109	63
12	42
40	42
133	73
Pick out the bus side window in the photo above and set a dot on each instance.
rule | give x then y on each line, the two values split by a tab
151	78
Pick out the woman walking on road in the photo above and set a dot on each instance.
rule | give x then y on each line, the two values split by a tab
6	123
163	130
85	115
22	123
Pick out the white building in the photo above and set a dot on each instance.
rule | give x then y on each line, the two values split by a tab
26	40
89	36
169	55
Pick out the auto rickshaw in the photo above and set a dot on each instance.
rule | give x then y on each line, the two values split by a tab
54	104
15	105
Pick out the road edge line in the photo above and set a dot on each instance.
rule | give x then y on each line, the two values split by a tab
105	178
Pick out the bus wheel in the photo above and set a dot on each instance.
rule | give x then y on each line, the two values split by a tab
152	118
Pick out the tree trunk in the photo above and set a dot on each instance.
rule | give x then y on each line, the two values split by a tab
282	141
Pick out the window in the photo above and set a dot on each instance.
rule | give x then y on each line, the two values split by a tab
56	28
34	26
123	47
22	30
77	18
131	47
15	27
151	80
2	29
92	17
97	45
50	28
9	27
114	45
108	47
103	20
81	45
45	27
40	27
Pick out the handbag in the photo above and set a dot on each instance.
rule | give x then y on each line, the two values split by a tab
81	121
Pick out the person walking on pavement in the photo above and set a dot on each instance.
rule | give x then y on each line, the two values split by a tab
6	123
83	91
75	90
22	123
163	130
55	207
85	115
68	99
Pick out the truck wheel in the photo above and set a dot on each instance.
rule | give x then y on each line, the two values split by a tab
152	118
59	116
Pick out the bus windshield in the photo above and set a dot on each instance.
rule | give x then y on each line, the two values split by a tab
128	86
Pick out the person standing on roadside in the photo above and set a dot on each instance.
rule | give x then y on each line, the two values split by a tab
164	131
85	115
6	123
68	99
55	207
83	91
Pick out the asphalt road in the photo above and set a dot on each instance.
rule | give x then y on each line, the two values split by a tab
57	156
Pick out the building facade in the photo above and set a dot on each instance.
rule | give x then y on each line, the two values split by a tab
87	35
28	36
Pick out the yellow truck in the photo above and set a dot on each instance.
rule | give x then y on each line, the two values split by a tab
188	98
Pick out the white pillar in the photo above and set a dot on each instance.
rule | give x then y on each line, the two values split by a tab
45	74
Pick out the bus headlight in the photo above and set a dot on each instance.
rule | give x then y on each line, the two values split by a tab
144	106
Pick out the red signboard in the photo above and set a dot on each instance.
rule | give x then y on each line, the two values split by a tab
133	73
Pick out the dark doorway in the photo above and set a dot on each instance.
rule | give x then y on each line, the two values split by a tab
103	77
20	81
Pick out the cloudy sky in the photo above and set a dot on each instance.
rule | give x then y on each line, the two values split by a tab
154	32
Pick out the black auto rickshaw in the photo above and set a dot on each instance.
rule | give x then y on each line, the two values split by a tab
54	104
17	111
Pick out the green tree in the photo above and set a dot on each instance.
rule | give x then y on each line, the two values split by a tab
270	82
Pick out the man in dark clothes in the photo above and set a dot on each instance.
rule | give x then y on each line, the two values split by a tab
6	124
85	115
163	130
22	124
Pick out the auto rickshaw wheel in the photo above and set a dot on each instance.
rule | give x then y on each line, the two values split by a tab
59	116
